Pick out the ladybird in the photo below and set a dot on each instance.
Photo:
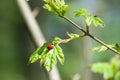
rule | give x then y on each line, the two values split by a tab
50	46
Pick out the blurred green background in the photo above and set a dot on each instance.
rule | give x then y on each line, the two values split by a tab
16	44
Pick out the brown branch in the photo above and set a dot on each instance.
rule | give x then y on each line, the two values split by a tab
91	36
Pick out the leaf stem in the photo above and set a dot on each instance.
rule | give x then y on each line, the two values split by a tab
91	36
87	28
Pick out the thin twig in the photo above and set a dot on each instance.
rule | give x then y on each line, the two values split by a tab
91	36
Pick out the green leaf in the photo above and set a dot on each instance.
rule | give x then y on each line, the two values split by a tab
43	55
89	20
49	60
48	57
73	36
117	47
109	73
103	68
37	53
51	57
115	62
117	76
99	48
98	22
46	6
81	12
99	67
56	40
35	56
48	64
102	48
59	53
56	6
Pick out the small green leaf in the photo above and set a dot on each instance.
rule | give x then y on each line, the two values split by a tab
109	73
48	64
89	20
115	62
99	67
35	55
98	22
43	55
43	49
102	48
34	58
56	6
56	40
81	12
46	6
73	36
49	60
117	47
59	53
103	68
99	48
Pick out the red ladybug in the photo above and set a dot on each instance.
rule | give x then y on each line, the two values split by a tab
50	46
